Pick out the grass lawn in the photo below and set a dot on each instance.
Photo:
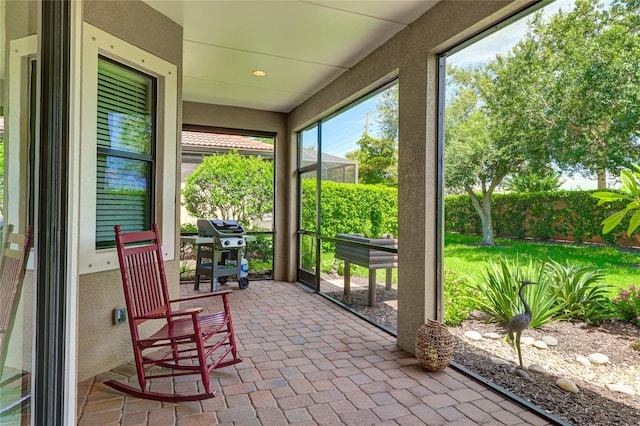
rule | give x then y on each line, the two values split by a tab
465	256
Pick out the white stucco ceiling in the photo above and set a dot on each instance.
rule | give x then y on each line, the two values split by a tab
302	45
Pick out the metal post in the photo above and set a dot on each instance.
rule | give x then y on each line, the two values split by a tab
52	211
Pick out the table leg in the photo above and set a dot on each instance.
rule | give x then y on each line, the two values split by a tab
389	277
347	278
372	287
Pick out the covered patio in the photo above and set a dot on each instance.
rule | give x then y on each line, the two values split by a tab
308	361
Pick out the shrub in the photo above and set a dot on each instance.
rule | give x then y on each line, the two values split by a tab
188	228
327	266
576	290
538	215
187	248
497	293
187	270
457	301
350	208
230	186
627	305
531	181
260	249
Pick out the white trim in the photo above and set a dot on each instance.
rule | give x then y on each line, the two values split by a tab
95	42
17	130
73	220
17	144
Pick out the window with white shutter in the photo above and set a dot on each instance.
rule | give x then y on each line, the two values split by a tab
126	125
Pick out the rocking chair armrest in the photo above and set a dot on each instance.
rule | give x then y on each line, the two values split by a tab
172	314
202	296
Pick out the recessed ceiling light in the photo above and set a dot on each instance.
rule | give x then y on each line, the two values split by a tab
258	73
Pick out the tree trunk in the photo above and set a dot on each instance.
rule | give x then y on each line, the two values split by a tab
484	210
487	224
487	229
602	179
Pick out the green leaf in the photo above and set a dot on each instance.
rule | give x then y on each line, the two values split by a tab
629	182
633	222
613	221
606	197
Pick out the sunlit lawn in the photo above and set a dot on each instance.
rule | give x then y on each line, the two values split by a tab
464	255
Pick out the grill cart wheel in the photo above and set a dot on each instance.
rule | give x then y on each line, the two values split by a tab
243	283
222	280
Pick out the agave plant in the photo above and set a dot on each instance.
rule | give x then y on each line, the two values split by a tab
578	292
497	294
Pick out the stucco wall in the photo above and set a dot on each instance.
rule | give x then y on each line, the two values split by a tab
102	345
227	117
412	55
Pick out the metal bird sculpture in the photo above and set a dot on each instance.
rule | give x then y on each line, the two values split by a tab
519	322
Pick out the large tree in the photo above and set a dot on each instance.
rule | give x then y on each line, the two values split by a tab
585	97
377	161
386	115
480	149
377	157
568	93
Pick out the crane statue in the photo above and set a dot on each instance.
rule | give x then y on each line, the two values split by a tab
519	322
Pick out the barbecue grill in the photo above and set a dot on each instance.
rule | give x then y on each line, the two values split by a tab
220	245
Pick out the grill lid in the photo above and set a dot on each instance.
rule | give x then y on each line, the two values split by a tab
219	228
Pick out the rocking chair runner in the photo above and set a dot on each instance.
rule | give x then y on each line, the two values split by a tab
186	339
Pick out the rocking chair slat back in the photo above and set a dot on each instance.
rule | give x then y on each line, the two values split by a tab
143	274
15	250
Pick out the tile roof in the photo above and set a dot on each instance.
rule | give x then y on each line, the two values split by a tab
217	140
212	140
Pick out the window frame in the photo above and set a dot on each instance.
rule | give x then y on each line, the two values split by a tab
95	43
150	159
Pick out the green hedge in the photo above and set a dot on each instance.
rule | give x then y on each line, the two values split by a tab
351	208
357	208
572	215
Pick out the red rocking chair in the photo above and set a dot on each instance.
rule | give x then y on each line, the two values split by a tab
13	261
187	340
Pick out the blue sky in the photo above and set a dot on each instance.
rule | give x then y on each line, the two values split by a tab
501	41
341	132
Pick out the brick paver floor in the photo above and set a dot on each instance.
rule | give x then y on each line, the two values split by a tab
308	361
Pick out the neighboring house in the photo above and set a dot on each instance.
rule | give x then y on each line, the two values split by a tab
334	168
196	145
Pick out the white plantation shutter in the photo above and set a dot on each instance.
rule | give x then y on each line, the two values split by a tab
125	150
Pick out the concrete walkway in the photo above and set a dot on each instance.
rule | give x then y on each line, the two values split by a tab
307	361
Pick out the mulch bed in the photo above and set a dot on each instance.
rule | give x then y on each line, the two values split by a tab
594	404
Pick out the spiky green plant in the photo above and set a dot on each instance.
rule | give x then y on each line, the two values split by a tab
578	292
497	294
